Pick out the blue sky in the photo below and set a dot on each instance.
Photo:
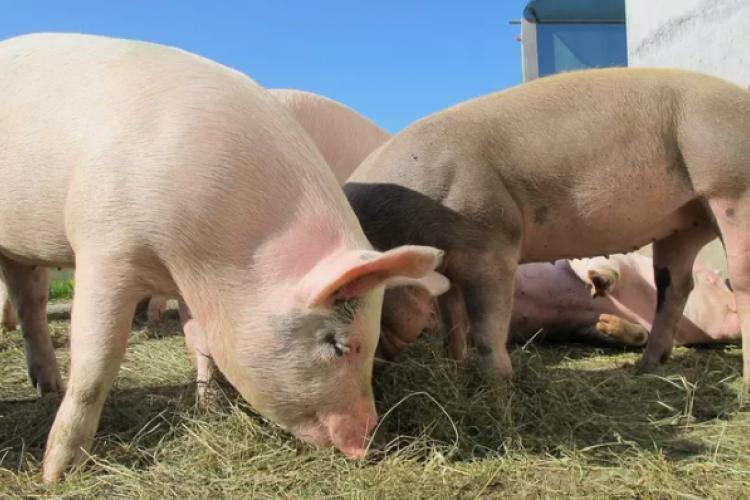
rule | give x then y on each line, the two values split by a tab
394	61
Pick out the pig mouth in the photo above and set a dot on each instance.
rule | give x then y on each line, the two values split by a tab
313	431
316	433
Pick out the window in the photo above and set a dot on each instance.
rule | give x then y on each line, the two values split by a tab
565	47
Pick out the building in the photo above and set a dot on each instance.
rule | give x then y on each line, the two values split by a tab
712	36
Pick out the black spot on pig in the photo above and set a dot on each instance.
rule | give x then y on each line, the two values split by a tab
663	279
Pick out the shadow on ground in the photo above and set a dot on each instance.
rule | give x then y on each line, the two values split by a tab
132	419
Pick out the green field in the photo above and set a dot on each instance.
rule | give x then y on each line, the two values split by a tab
575	424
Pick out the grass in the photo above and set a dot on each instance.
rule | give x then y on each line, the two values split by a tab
576	423
60	285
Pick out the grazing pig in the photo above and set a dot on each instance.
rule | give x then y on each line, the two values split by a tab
343	136
578	164
151	170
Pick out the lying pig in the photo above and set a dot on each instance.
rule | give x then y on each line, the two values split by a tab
343	136
155	171
600	301
578	164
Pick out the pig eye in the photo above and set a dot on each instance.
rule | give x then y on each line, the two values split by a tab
340	348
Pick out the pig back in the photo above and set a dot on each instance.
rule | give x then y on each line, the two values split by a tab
173	147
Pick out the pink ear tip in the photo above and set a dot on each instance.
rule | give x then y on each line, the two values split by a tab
445	284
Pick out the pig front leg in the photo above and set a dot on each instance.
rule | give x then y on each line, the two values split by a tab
197	345
28	289
488	292
673	259
8	318
455	322
104	305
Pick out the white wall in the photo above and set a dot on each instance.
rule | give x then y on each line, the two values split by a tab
712	36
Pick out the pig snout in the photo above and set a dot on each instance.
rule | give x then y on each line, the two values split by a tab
348	431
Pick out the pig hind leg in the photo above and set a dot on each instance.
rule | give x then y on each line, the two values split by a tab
195	338
733	221
8	317
107	292
27	288
673	259
618	331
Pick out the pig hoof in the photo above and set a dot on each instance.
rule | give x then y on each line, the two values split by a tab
207	395
499	367
48	386
649	363
603	282
628	333
46	381
8	326
51	476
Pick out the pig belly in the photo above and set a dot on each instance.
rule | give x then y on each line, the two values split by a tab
32	226
549	297
593	222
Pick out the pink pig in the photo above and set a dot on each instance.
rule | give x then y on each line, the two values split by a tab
343	136
153	171
613	301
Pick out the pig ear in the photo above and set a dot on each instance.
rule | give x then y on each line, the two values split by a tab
434	283
356	273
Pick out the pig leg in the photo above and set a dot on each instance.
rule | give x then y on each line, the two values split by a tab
488	290
104	305
733	220
625	332
195	338
8	317
157	307
28	289
455	322
673	259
